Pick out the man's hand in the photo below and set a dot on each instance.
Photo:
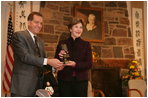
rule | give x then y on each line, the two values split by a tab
54	63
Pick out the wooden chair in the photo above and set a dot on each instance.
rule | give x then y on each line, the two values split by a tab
98	93
137	88
94	92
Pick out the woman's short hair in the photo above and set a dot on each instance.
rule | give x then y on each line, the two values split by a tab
74	22
30	17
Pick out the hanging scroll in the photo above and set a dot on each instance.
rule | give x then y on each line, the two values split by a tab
22	10
138	37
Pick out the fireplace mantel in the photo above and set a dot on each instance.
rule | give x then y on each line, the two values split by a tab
111	63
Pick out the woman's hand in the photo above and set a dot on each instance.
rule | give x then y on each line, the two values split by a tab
59	68
61	54
70	63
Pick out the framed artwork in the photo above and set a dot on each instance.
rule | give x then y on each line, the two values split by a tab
21	11
93	23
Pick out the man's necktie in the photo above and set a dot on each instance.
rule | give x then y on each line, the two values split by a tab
37	51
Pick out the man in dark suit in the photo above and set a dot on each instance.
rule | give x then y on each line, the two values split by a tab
29	59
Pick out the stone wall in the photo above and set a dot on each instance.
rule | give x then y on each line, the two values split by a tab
118	43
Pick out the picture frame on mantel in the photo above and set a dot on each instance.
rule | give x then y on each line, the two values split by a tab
89	15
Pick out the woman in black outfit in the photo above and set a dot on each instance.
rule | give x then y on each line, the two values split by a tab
73	78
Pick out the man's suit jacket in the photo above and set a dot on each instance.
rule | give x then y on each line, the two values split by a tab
25	77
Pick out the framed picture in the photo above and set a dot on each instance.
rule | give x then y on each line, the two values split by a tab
93	23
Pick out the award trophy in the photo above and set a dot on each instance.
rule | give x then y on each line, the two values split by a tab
65	56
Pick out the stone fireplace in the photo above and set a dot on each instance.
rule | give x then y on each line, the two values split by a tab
105	76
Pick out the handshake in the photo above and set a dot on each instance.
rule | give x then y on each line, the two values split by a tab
58	64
